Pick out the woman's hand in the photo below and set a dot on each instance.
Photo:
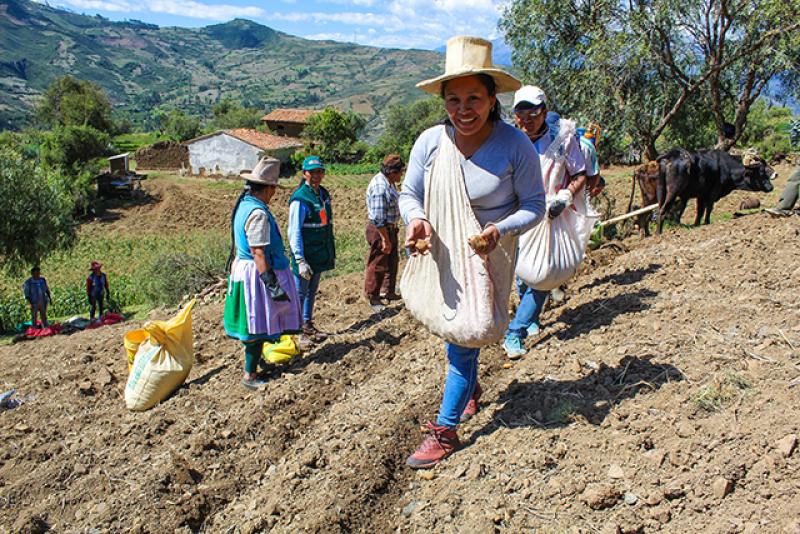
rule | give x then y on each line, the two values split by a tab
486	241
418	236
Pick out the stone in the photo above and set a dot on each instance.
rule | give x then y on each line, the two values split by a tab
79	469
600	496
615	472
409	508
508	365
630	498
656	456
226	434
22	427
428	474
787	445
655	497
674	491
721	487
685	429
103	377
476	471
662	515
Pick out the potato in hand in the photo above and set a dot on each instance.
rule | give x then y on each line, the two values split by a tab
479	244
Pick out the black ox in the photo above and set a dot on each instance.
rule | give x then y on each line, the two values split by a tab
707	175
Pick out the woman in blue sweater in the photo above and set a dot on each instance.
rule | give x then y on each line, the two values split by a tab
504	185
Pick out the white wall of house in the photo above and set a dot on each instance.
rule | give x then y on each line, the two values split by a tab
221	154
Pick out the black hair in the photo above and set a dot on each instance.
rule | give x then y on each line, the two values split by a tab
249	188
35	268
257	187
488	82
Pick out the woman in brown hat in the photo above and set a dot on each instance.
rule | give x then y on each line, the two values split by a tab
261	303
503	183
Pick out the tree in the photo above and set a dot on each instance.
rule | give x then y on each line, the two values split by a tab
37	211
732	48
72	102
229	114
179	127
334	135
633	66
768	129
70	147
404	123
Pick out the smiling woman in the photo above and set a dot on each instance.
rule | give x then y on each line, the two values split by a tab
473	172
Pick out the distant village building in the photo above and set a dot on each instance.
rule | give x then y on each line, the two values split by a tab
228	152
288	122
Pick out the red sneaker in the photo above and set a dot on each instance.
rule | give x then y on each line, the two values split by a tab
472	406
440	443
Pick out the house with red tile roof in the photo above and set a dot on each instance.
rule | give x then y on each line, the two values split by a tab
288	122
229	152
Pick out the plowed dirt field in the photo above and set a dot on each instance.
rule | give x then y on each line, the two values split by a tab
661	396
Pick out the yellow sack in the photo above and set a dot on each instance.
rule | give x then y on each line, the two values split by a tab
162	362
132	340
280	352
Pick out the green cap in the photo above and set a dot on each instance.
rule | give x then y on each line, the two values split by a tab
312	162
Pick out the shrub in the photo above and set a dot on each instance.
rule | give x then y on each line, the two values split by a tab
70	147
37	208
175	274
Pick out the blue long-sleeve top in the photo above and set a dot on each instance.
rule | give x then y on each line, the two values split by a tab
503	179
297	214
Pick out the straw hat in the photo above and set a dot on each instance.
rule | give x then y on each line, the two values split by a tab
466	56
265	172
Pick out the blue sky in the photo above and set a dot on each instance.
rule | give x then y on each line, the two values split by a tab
386	23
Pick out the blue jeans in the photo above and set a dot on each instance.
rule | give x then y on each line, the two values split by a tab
307	293
462	376
531	302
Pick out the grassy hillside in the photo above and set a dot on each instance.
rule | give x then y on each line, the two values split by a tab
142	66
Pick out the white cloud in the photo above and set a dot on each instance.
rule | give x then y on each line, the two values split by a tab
348	18
184	8
384	23
103	5
190	8
372	38
359	3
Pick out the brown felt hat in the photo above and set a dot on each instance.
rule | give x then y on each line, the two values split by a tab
265	172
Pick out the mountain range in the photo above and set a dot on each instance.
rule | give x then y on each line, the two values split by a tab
142	66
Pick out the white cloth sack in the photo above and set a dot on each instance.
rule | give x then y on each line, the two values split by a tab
551	252
454	292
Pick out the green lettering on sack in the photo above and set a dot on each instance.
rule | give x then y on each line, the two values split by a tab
139	364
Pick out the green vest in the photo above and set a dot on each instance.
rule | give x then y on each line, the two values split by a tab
317	231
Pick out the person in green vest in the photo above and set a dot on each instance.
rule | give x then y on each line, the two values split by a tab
311	241
261	303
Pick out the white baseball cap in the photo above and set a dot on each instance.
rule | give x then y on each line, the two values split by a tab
530	94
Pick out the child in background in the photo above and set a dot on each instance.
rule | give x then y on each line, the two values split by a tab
37	293
96	288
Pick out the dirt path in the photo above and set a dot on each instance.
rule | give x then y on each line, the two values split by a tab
601	428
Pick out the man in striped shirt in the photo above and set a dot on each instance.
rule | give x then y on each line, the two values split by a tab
383	211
